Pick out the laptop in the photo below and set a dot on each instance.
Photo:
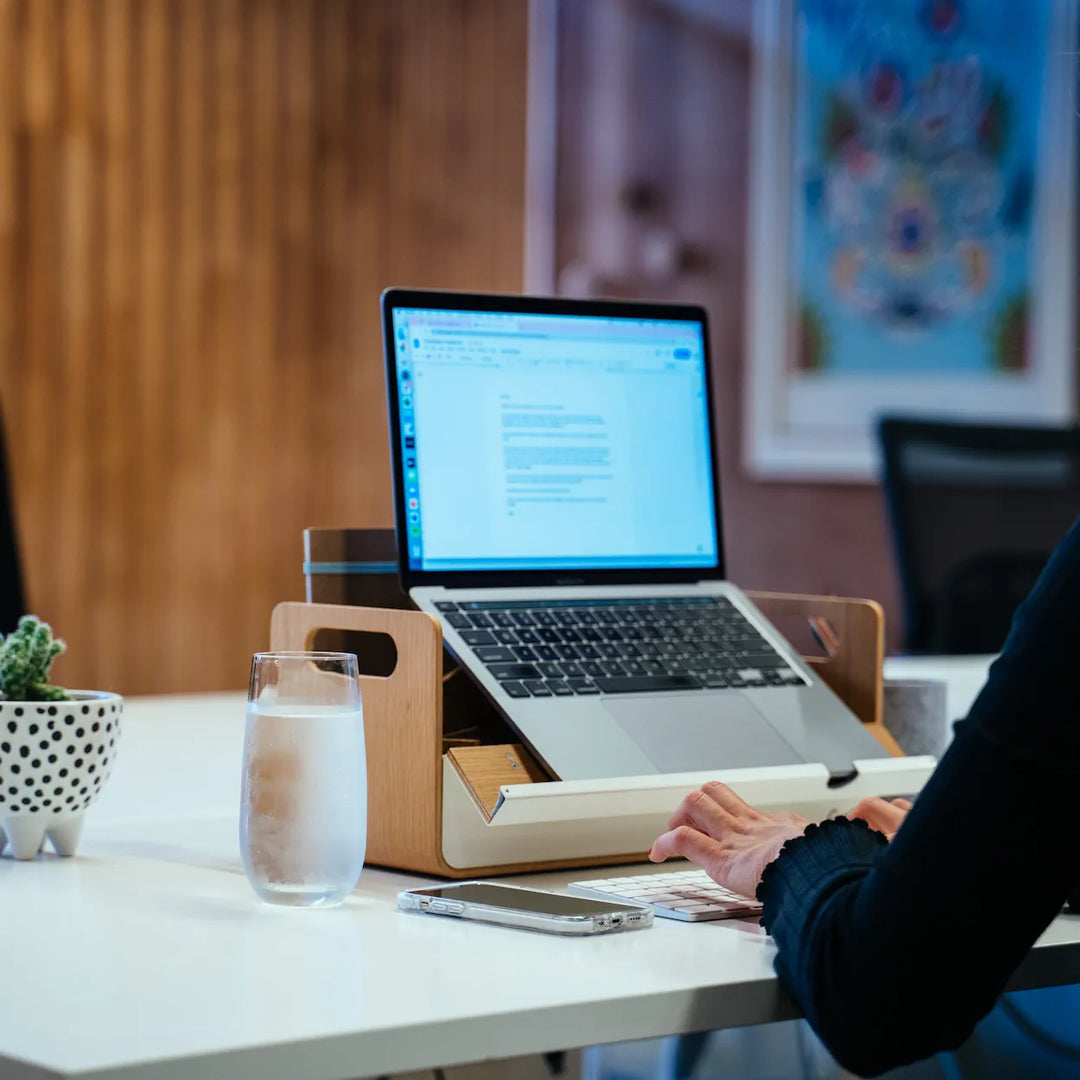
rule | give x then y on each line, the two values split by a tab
557	508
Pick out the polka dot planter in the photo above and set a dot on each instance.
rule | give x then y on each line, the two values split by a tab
55	757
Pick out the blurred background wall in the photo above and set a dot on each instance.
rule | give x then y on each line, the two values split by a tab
200	201
651	200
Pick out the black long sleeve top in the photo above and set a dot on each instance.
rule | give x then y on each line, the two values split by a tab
895	951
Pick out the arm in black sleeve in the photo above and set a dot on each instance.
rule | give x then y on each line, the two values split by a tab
895	952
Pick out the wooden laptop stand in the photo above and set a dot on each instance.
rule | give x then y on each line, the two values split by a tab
440	757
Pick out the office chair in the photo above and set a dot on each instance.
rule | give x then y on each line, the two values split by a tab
12	598
975	511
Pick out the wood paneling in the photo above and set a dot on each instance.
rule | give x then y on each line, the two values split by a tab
200	201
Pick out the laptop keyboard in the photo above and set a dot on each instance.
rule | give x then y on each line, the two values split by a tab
563	648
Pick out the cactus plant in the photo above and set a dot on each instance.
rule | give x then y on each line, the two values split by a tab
25	657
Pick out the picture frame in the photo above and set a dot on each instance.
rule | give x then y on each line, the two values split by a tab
844	325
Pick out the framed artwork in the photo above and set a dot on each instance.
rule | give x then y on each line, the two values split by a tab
911	222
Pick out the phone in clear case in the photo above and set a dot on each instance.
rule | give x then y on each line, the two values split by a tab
526	909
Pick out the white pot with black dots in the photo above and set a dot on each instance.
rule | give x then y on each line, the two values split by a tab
55	757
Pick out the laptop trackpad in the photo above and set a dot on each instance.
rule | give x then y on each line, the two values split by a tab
688	733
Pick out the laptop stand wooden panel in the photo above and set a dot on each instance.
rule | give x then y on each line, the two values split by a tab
408	713
851	634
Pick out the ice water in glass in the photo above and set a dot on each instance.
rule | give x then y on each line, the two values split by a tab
303	820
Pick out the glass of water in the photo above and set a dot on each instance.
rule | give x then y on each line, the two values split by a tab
303	813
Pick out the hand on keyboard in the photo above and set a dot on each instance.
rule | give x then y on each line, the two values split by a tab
730	840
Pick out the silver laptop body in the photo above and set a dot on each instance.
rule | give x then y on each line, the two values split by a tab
557	508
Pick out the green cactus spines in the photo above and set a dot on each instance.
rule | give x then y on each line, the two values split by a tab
26	655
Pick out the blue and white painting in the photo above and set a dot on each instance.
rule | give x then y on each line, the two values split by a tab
917	128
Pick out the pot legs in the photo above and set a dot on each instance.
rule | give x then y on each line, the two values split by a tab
27	834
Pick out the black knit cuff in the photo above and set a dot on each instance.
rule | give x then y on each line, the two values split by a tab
807	862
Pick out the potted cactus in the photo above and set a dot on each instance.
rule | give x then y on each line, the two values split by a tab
56	746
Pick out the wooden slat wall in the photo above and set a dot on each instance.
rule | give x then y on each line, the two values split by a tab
200	201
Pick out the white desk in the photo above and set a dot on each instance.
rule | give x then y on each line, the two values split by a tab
148	956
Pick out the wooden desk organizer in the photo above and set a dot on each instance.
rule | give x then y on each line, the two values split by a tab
441	806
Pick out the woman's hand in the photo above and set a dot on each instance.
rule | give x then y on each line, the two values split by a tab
886	817
730	840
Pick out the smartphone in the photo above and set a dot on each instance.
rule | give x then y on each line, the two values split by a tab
528	909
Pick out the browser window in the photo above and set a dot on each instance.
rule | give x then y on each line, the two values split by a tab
552	441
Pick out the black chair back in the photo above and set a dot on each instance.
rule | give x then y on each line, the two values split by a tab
975	511
12	597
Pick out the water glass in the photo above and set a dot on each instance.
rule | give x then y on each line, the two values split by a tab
303	813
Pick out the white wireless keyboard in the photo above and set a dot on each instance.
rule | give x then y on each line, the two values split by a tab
689	895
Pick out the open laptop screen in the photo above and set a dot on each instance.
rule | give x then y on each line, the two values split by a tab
535	441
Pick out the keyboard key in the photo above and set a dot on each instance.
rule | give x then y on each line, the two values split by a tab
560	688
445	605
569	667
458	621
506	637
550	671
514	671
582	686
502	618
593	668
525	654
515	689
523	618
493	654
528	637
638	684
762	660
477	637
483	621
546	652
538	688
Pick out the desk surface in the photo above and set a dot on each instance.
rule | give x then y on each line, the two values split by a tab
148	954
